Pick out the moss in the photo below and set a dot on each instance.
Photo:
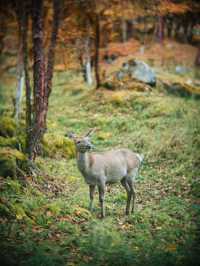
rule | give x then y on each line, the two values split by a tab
7	127
104	135
8	166
9	160
56	144
9	142
18	211
4	211
119	97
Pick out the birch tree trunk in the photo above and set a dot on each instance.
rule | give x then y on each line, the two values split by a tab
88	67
97	47
19	94
20	79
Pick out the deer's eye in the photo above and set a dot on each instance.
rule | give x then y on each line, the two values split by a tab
78	142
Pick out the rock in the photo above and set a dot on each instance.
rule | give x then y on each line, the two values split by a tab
182	89
181	70
140	71
120	75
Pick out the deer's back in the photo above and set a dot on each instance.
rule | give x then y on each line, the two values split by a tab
114	164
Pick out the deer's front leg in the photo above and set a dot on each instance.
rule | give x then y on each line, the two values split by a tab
101	189
92	190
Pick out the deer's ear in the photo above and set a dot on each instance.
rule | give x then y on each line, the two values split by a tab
71	135
90	132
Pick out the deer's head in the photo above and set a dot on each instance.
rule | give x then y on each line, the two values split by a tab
83	144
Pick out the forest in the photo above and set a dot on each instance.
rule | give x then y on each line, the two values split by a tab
99	132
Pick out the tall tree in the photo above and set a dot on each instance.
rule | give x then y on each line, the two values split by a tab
23	21
36	112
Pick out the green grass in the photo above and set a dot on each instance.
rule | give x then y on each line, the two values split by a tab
47	222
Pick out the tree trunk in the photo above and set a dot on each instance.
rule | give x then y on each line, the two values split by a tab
51	56
160	29
3	29
169	25
38	76
197	60
20	75
124	30
177	28
97	47
88	72
87	63
19	94
42	80
27	80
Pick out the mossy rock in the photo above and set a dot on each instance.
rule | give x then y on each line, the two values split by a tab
9	142
7	127
9	160
56	144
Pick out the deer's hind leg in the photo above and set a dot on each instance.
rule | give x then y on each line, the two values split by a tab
133	193
101	188
130	180
129	194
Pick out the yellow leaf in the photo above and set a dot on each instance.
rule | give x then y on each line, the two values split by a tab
19	216
171	248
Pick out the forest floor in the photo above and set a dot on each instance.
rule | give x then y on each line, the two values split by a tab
47	222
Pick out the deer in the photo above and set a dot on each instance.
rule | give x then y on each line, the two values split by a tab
101	168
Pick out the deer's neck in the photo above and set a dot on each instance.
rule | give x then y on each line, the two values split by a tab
83	162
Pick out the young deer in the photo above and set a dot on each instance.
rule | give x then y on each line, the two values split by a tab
107	167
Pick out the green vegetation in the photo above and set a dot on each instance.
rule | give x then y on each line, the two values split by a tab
47	222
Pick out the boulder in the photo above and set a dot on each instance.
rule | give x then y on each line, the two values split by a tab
140	71
181	70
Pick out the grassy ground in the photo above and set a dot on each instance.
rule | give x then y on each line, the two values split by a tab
47	222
